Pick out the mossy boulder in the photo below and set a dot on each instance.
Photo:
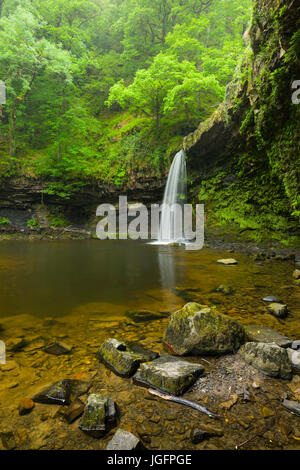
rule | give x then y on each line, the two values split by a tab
123	358
269	358
198	329
99	416
168	374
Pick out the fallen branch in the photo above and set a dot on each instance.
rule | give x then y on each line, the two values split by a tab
182	401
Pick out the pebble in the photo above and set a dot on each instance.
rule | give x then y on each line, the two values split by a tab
26	405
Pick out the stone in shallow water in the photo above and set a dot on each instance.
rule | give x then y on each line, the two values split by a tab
168	374
74	411
26	405
124	440
227	262
296	274
100	415
57	393
58	348
263	334
269	358
294	357
198	329
271	298
292	406
140	316
224	289
123	358
278	310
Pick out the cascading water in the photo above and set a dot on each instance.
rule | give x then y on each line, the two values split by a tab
171	221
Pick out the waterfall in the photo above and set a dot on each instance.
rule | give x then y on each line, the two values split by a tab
171	221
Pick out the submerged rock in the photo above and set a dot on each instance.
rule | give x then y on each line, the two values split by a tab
263	334
26	406
124	440
60	393
296	274
123	358
292	406
224	289
58	348
198	329
168	374
269	358
271	298
74	411
199	435
100	415
278	310
227	262
140	316
57	393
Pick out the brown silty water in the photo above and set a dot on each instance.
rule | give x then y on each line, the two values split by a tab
82	292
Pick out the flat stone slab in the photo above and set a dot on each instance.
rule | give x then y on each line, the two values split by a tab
269	358
263	334
99	416
227	262
124	440
123	358
168	374
58	348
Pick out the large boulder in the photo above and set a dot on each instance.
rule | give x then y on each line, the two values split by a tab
100	415
123	358
168	374
269	358
198	329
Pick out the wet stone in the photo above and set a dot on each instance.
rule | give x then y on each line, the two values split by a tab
224	289
26	406
124	440
198	329
262	334
140	316
57	393
58	348
168	374
100	415
74	411
123	358
292	406
8	439
227	262
198	435
278	310
296	274
271	298
269	358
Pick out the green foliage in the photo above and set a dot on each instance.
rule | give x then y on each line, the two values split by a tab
4	221
165	63
32	223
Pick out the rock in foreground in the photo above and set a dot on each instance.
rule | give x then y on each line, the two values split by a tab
100	415
292	406
294	357
123	358
124	440
57	393
263	334
198	329
168	374
269	358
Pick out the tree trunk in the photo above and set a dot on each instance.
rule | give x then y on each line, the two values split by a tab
12	131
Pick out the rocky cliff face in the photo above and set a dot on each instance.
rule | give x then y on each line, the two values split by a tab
244	160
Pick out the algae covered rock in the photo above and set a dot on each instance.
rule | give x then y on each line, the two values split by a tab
269	358
100	415
123	358
168	374
198	329
57	393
